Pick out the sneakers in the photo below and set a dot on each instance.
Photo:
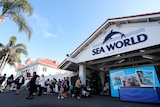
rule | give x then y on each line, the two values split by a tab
60	97
78	97
29	97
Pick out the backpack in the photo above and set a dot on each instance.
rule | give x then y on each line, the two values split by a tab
16	81
46	83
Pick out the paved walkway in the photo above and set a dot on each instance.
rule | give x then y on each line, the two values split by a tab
12	100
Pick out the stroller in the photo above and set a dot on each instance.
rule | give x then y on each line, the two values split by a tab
85	92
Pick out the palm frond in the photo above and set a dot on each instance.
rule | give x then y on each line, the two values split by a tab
13	51
14	9
1	46
21	45
20	21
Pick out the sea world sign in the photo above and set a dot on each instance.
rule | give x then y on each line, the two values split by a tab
111	43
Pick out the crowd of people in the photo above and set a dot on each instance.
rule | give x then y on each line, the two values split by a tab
8	84
41	85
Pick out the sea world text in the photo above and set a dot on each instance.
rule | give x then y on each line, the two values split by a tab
120	44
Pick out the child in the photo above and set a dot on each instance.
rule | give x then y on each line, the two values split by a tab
60	94
48	89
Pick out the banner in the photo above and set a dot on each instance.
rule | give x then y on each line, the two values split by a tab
141	94
133	77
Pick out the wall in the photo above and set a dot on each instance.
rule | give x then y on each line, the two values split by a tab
116	40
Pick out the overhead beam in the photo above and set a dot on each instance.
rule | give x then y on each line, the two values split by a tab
128	63
93	68
124	56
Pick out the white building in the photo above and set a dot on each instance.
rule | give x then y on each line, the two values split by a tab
119	43
41	66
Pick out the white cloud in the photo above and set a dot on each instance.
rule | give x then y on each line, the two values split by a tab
48	34
43	25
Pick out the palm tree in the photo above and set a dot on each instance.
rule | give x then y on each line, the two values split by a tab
14	9
10	54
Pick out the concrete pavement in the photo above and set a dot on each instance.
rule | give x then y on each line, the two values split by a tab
12	100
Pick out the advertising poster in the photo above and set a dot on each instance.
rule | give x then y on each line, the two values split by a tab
146	78
116	79
133	77
130	80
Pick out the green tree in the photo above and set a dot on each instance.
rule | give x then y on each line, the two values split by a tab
15	10
10	53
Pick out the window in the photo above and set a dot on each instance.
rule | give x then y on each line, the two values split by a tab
34	69
44	69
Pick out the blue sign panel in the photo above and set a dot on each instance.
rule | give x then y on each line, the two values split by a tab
141	94
133	77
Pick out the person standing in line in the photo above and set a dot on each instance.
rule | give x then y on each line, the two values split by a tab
59	84
52	85
20	81
32	86
9	83
41	85
78	87
66	86
106	88
47	86
2	78
37	84
60	93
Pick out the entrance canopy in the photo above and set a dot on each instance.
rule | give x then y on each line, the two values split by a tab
122	42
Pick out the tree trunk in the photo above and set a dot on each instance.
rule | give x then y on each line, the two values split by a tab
1	19
3	63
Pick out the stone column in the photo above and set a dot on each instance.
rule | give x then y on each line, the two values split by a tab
102	76
82	73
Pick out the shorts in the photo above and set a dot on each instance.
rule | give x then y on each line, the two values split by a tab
19	86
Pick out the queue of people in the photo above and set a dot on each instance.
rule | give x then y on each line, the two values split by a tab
41	85
2	79
19	82
7	84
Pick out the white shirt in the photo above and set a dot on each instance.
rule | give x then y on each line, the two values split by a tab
20	79
41	81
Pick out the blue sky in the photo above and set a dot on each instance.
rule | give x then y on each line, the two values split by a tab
60	26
